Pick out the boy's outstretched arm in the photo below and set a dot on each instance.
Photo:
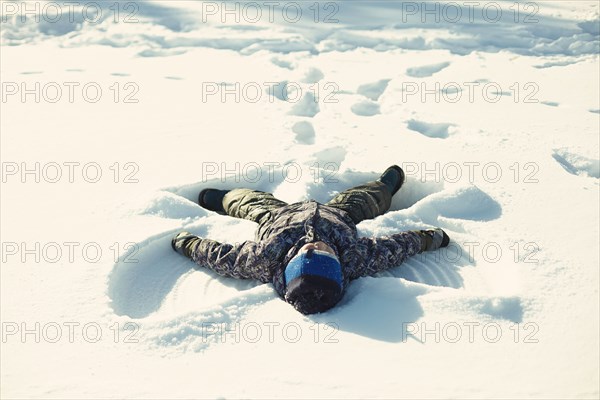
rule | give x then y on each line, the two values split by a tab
381	253
235	261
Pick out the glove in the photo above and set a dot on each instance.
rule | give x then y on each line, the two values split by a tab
181	243
433	239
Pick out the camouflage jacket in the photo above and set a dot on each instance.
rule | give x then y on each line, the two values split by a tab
288	228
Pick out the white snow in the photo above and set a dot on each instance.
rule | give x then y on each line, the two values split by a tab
110	128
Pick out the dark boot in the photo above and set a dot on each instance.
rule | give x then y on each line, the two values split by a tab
393	178
433	239
212	199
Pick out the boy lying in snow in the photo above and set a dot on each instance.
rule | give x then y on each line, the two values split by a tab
310	251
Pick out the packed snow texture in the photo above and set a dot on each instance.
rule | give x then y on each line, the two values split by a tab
493	116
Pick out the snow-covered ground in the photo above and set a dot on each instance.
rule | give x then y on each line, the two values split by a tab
113	118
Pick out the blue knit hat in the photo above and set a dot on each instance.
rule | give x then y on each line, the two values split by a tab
314	281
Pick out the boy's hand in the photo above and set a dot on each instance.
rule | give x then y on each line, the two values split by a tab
180	242
433	239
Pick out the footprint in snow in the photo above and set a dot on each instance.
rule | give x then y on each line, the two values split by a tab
576	164
426	70
373	90
306	107
279	90
555	64
161	52
313	75
305	133
365	108
282	63
332	155
550	103
432	130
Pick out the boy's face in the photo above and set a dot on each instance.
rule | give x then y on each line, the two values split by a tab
321	246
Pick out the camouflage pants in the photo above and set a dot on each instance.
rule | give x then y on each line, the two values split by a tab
360	202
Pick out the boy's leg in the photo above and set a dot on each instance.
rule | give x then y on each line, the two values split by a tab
364	202
250	204
372	199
